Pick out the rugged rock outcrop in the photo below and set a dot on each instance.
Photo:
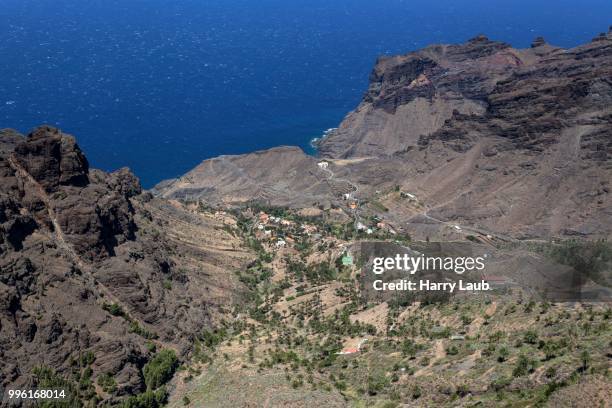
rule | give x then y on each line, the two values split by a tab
52	159
90	266
446	91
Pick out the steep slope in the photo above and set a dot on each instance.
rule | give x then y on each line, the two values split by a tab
413	95
94	274
538	161
283	176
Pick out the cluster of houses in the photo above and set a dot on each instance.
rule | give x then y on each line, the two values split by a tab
268	219
380	225
271	228
282	232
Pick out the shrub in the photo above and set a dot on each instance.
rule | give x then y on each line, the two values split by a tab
496	336
550	350
585	359
114	309
489	350
452	350
531	337
523	366
148	399
167	284
141	331
500	383
107	382
462	390
87	358
46	378
409	348
589	259
466	319
376	383
212	338
503	354
160	369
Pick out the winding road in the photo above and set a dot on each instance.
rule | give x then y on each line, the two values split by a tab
484	234
332	177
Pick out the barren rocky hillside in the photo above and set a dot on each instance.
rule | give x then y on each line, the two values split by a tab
96	275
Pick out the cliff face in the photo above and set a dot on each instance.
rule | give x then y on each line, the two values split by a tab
537	161
513	141
76	241
414	96
91	211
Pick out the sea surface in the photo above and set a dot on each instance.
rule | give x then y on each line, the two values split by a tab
160	85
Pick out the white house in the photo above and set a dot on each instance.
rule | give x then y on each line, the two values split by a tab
408	195
323	164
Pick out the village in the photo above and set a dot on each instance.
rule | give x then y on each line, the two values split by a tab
307	326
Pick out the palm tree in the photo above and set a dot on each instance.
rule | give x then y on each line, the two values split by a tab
585	357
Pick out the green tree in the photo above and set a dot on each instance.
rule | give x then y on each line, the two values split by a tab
531	337
160	369
585	359
376	383
523	366
503	354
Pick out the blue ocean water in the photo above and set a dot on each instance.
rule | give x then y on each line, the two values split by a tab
160	85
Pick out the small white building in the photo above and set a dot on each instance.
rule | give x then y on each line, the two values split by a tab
281	243
408	195
323	165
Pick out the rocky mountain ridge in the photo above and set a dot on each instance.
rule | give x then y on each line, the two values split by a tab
91	266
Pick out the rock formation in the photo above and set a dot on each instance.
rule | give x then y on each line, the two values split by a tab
90	265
